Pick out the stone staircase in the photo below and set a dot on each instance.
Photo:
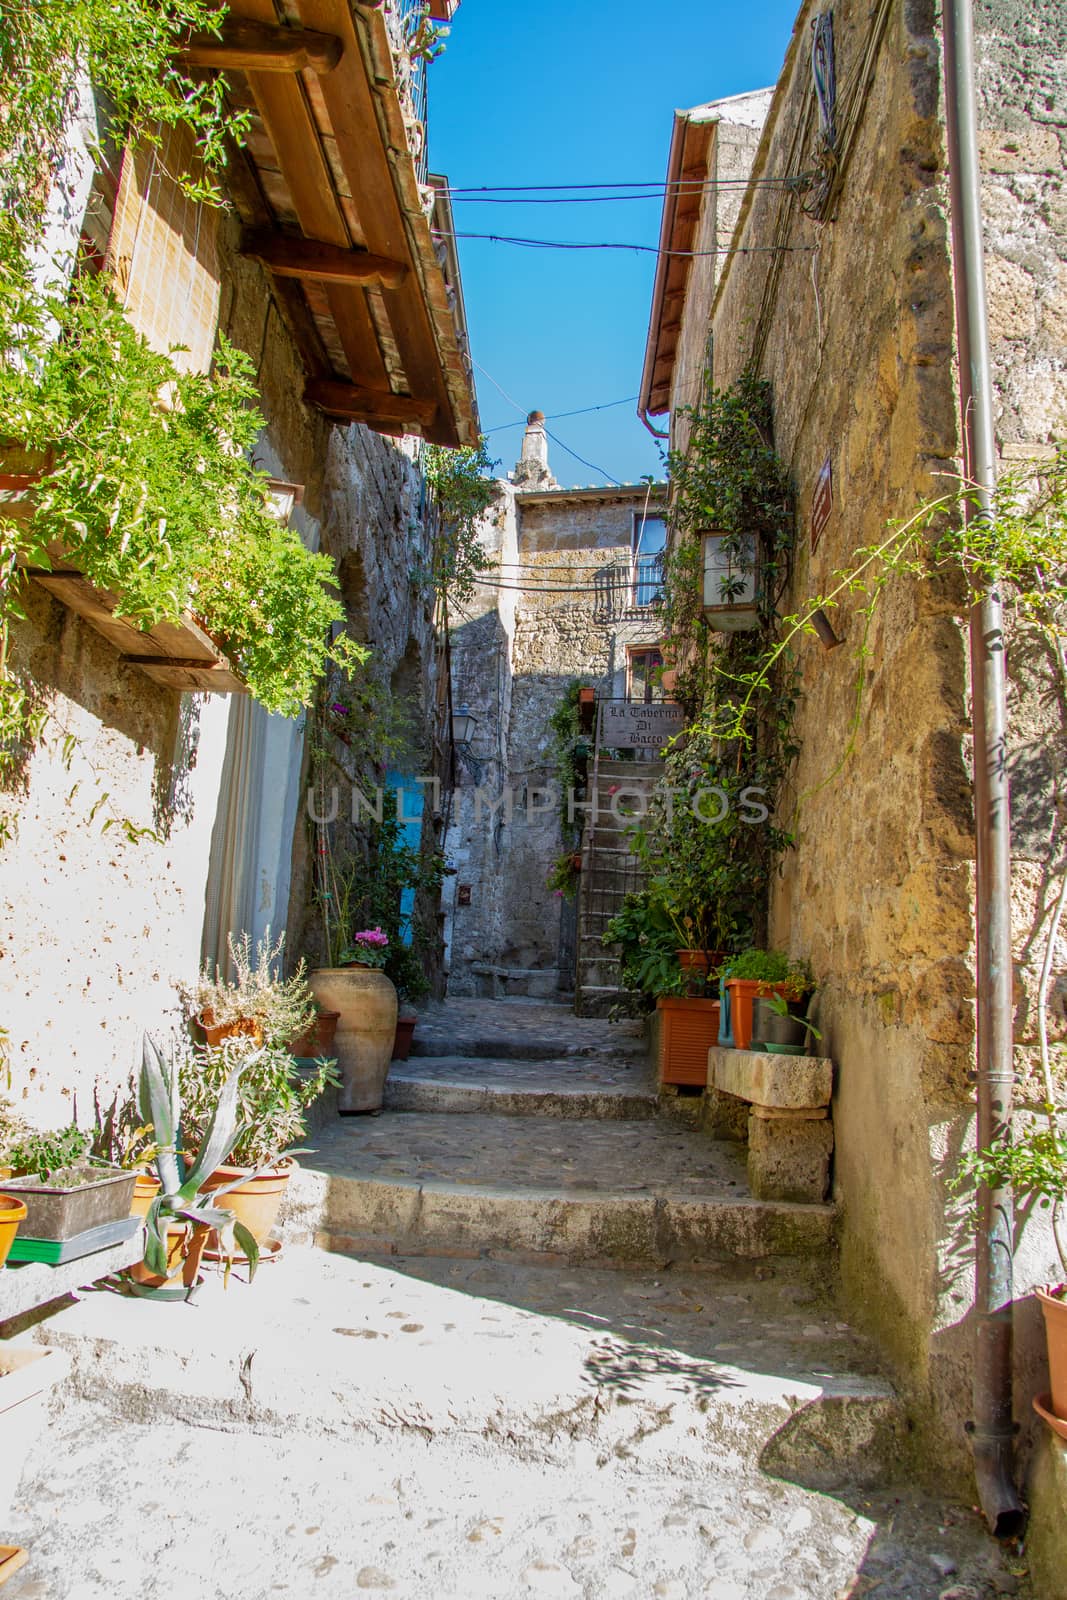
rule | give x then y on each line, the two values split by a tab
548	1340
610	871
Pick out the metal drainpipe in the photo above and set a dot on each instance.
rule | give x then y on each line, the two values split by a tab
992	1431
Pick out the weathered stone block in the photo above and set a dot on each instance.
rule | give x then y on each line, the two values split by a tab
1046	1541
789	1157
766	1079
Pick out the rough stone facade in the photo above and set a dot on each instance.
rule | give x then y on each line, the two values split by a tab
853	326
95	925
530	631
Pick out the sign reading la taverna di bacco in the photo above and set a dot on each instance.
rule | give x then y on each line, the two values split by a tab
628	725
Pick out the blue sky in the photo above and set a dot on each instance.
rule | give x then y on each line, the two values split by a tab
571	92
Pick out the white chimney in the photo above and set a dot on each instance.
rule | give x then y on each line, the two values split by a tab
532	469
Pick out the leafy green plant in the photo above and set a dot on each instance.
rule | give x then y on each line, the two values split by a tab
463	491
1034	1162
780	1006
127	49
271	1103
282	1007
772	966
51	1155
565	876
710	861
570	751
181	1198
648	946
152	494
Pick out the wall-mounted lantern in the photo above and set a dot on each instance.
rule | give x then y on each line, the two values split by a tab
730	581
283	497
464	723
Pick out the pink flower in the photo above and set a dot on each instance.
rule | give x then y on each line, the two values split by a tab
371	936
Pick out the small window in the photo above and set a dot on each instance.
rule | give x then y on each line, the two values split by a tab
649	543
642	664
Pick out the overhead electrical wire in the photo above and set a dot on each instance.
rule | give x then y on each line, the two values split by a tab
556	416
660	185
524	413
645	249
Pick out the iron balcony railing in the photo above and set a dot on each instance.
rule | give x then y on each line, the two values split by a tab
407	21
630	592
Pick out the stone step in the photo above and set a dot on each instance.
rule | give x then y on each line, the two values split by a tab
691	1374
581	1191
570	1088
519	1030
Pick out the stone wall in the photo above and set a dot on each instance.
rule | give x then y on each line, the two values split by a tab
853	326
96	925
513	659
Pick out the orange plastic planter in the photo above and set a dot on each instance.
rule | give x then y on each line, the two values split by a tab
742	993
1054	1306
689	1028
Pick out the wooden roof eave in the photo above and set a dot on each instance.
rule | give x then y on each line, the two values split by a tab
689	160
445	322
357	95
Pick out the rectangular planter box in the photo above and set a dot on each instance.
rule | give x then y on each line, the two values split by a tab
55	1213
27	1373
688	1029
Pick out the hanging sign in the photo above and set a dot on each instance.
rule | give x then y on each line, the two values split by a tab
822	501
630	725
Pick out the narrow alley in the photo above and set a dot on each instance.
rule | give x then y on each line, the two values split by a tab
572	1354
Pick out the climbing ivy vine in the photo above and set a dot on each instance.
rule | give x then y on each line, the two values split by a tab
143	476
709	867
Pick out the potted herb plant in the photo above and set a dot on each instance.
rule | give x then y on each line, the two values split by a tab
758	975
255	1002
179	1219
272	1100
73	1205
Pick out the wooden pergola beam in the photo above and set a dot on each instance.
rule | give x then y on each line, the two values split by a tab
249	46
372	406
291	257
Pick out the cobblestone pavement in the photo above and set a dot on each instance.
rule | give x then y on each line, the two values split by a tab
473	1027
627	1074
162	1511
532	1153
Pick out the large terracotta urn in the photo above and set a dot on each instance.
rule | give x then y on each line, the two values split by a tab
363	1045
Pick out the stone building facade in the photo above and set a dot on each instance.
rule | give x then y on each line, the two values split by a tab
847	310
569	595
153	818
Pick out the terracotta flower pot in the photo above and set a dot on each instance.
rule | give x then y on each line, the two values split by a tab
366	1001
1053	1301
256	1203
405	1030
12	1212
688	1029
145	1189
742	992
242	1028
185	1246
316	1041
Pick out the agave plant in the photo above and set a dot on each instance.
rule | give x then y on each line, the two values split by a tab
180	1198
